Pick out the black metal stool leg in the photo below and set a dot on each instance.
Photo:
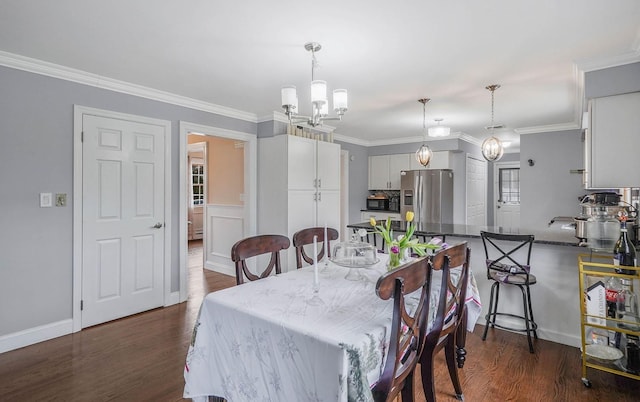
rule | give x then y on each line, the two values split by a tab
488	316
533	321
526	317
495	305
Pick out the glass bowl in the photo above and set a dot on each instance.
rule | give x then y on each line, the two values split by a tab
354	254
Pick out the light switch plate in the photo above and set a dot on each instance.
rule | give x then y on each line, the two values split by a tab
46	200
61	199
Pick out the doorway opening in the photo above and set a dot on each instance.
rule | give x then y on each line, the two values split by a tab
226	197
506	184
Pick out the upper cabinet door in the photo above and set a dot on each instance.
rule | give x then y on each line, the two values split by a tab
397	163
612	142
379	172
302	163
328	166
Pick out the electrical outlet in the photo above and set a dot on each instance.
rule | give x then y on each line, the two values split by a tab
61	200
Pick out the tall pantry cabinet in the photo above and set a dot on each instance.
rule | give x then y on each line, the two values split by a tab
298	187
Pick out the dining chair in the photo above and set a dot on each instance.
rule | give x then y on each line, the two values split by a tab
449	325
508	258
407	329
305	237
254	246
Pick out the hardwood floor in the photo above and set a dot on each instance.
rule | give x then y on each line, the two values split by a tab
141	358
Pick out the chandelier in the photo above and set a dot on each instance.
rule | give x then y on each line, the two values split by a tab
438	131
492	148
424	154
319	103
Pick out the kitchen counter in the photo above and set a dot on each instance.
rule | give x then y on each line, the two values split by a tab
386	211
552	236
554	262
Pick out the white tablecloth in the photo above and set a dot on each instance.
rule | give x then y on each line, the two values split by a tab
272	340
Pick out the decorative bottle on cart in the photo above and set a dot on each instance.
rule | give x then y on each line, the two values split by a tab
628	307
624	253
628	313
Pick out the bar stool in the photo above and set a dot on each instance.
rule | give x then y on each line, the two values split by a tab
504	269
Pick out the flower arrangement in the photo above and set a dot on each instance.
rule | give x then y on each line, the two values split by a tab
399	247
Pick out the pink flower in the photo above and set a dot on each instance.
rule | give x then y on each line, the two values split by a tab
395	249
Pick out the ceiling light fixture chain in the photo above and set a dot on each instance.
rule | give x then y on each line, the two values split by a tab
492	148
424	154
319	102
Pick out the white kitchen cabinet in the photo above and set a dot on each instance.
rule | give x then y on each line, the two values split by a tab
328	166
384	171
440	160
298	187
612	142
301	163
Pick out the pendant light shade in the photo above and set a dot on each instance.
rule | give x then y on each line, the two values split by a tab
424	154
492	148
439	131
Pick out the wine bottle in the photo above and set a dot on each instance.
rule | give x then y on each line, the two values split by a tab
624	253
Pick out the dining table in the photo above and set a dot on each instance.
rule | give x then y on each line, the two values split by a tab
311	334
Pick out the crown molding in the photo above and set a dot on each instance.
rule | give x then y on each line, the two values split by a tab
471	140
351	140
275	116
82	77
548	128
611	61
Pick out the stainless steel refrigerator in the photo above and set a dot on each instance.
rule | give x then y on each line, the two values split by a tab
428	193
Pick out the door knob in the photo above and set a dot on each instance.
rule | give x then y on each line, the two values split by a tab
157	225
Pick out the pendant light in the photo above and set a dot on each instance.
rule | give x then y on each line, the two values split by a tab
492	148
319	103
424	154
439	131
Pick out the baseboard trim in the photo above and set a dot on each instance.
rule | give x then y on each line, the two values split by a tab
223	269
35	335
174	298
553	336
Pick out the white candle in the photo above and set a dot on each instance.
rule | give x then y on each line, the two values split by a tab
326	245
315	262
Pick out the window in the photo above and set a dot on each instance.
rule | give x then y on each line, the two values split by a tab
197	184
509	185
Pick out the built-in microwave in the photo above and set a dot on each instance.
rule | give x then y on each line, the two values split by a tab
378	203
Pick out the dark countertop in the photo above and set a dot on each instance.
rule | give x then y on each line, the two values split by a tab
558	237
384	211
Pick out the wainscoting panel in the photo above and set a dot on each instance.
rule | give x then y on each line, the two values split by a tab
224	226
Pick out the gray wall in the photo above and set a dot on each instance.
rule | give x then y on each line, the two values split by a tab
358	178
612	81
548	189
36	155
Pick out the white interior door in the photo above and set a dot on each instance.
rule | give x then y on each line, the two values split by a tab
122	218
476	200
506	182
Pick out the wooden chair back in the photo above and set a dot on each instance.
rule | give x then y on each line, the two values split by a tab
254	246
305	237
407	330
450	315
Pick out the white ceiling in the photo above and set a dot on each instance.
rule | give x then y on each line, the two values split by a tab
388	54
